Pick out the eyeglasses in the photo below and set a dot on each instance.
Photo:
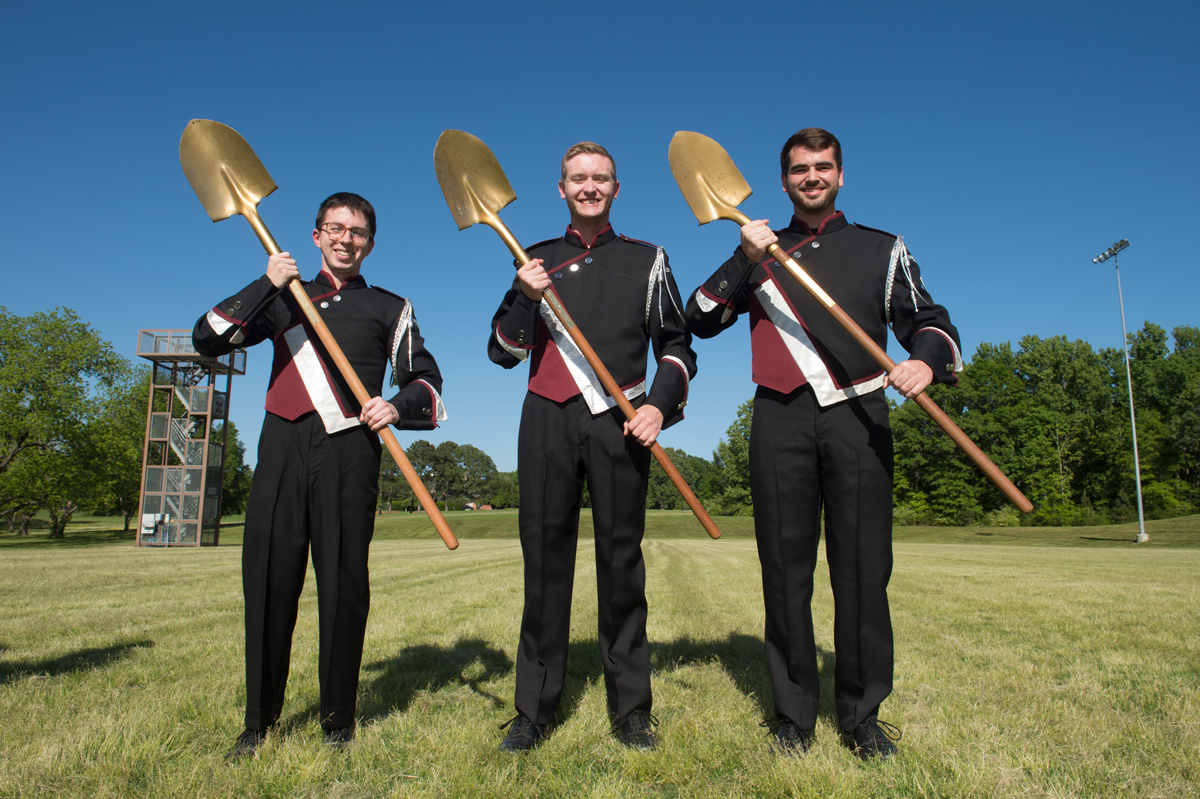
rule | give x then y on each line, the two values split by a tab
335	231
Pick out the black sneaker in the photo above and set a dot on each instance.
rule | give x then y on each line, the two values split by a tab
637	731
872	739
789	738
340	738
246	744
523	736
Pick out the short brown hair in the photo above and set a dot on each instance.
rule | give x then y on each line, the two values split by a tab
587	148
345	199
815	139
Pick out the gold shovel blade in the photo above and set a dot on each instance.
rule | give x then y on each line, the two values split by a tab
707	176
222	168
471	178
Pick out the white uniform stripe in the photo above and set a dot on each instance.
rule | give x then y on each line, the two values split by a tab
520	353
313	376
218	323
958	359
706	305
597	399
804	352
682	370
439	408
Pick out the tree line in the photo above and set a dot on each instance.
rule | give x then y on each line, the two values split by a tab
1053	414
454	474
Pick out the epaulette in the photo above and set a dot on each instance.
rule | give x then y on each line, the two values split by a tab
390	293
542	243
638	241
875	230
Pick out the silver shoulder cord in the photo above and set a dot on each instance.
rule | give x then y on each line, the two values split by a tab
901	258
658	277
403	330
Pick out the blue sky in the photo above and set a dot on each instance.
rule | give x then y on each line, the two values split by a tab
1009	143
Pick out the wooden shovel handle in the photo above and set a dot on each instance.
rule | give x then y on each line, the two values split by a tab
610	385
356	386
989	469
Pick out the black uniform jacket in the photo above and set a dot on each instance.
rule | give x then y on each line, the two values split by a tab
372	326
795	340
621	294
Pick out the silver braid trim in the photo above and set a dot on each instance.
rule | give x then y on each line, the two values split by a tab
901	258
658	280
403	330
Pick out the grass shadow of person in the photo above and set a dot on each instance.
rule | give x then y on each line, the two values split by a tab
743	658
396	680
70	663
583	669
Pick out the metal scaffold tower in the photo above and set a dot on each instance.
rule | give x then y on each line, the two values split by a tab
183	462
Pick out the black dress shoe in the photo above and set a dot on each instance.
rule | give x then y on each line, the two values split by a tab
523	736
340	738
791	740
872	739
246	744
637	731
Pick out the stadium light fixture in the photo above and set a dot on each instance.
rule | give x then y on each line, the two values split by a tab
1111	252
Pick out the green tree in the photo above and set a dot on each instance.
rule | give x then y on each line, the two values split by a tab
476	469
435	466
117	435
238	475
661	492
52	366
394	490
505	491
1054	416
731	463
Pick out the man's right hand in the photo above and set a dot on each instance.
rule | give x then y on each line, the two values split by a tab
534	279
281	268
756	238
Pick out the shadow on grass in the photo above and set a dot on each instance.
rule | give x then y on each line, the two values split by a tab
82	660
741	656
397	680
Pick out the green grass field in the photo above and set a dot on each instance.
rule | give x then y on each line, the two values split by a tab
1040	662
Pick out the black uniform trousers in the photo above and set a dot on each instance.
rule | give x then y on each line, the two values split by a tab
804	457
310	489
559	443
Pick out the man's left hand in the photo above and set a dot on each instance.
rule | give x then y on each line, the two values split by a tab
645	426
378	413
909	377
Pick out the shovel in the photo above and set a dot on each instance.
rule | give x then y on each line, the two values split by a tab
229	179
713	188
476	189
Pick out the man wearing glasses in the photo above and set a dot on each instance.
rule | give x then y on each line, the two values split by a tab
316	481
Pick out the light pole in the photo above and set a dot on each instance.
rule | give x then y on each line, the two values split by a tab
1111	252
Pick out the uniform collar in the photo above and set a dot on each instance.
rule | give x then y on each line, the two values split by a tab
831	224
349	284
573	238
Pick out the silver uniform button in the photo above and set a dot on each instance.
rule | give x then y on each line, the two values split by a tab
587	260
337	297
816	244
324	304
574	267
